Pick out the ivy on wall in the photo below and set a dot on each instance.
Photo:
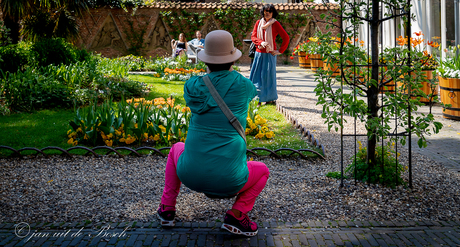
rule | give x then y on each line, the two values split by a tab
135	37
183	22
238	22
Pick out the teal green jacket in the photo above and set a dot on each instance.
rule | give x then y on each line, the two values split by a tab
214	159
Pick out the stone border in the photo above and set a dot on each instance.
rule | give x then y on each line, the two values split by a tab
303	130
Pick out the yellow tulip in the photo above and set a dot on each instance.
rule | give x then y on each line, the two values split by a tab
260	135
108	143
270	134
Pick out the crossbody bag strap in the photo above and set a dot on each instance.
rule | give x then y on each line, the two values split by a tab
228	113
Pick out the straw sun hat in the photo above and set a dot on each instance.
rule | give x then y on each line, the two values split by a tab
218	48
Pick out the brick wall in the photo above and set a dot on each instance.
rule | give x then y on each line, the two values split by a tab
114	32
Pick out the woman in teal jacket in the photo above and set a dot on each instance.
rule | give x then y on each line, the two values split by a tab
213	158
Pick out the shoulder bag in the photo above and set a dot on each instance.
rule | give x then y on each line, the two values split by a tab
228	113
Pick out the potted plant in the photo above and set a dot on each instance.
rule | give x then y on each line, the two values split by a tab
428	63
331	61
449	83
300	50
424	61
312	48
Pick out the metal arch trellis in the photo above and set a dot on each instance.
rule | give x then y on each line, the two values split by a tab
375	19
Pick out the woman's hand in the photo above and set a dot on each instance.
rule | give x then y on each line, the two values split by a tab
264	44
275	53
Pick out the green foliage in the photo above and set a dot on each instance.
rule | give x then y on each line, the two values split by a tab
386	171
137	122
40	19
66	84
38	26
183	21
14	57
238	22
450	67
336	175
357	71
29	90
135	37
364	76
53	51
115	3
293	23
5	38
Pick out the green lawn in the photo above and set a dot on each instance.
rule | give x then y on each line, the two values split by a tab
39	129
49	127
162	88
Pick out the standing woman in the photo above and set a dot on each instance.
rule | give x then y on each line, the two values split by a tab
263	71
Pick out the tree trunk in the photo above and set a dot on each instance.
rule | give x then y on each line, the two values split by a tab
14	27
372	96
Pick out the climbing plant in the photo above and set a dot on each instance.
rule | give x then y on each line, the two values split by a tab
135	37
293	23
183	22
238	22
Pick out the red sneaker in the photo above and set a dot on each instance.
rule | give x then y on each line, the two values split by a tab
242	225
166	216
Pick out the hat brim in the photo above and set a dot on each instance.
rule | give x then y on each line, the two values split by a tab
219	59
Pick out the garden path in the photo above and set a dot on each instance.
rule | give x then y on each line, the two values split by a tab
443	147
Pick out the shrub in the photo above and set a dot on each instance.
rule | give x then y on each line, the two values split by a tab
14	57
336	175
62	86
387	171
54	51
29	90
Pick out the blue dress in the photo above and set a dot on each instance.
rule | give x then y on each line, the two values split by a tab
263	75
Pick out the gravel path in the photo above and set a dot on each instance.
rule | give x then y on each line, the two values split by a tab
111	189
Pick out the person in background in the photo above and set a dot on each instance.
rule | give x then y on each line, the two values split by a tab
263	69
213	159
179	46
197	43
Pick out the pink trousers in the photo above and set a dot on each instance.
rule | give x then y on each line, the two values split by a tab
258	176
